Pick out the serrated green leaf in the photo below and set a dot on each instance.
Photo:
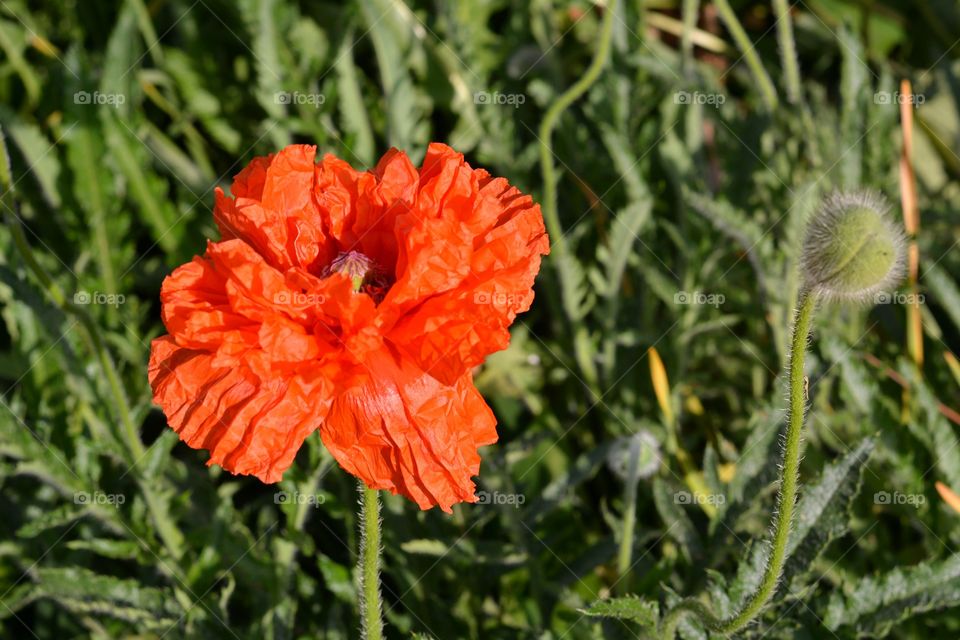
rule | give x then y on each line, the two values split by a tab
823	511
85	592
632	608
50	519
874	605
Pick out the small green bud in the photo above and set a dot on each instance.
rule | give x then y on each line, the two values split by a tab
853	249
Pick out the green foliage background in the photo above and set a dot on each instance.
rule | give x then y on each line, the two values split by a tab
660	198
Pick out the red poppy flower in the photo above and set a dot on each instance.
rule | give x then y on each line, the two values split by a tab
353	303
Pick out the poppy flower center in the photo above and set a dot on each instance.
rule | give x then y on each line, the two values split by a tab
362	270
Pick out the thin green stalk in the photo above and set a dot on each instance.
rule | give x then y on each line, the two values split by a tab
370	606
625	555
548	124
788	50
786	499
288	550
691	11
767	90
559	253
169	534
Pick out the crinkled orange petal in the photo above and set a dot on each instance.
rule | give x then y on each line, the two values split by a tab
250	425
406	432
273	210
468	270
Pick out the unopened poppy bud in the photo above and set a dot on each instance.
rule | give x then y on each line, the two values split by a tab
853	249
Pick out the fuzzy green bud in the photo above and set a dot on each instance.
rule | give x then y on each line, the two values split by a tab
853	249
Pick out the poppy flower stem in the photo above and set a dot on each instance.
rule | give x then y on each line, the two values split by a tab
371	611
786	498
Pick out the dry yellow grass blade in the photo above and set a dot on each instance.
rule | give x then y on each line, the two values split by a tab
953	365
948	496
911	222
661	384
44	46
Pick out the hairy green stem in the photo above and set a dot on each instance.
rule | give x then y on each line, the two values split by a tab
789	482
786	498
729	17
370	606
560	254
788	50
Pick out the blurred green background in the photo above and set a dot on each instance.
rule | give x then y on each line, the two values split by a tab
685	176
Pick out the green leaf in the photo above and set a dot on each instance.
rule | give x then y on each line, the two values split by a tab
753	473
146	188
115	549
39	155
632	608
353	111
931	428
853	83
92	186
425	547
625	229
676	522
338	579
583	468
822	515
13	40
874	605
393	43
261	19
857	381
945	292
50	519
823	511
85	592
